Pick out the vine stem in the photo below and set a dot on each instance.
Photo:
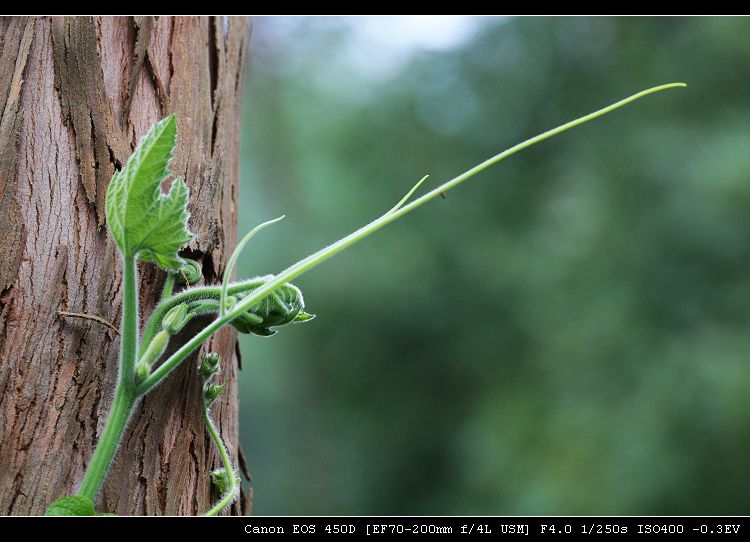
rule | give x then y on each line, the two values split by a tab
129	327
233	261
125	392
322	255
229	494
168	287
109	441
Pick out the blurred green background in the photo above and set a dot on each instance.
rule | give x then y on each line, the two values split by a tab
567	333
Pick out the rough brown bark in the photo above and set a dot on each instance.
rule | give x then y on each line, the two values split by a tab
76	94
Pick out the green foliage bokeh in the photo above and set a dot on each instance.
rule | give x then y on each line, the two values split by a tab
567	333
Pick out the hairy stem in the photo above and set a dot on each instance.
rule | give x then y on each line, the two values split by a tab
125	393
192	294
108	443
322	255
229	494
168	287
129	327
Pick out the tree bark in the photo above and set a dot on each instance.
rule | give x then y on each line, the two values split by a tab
76	94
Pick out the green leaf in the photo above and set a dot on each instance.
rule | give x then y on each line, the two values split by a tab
146	223
71	506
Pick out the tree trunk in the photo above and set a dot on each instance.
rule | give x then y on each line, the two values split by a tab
76	94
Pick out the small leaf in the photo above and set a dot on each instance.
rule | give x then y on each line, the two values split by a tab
71	506
303	316
146	223
220	480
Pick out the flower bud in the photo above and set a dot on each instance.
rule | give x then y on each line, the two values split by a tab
142	370
230	302
211	392
209	365
153	352
175	319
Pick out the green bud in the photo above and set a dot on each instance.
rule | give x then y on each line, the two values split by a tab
211	392
176	319
142	370
231	301
209	365
153	352
285	305
220	480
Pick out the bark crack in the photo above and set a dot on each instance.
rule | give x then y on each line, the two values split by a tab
143	35
16	45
